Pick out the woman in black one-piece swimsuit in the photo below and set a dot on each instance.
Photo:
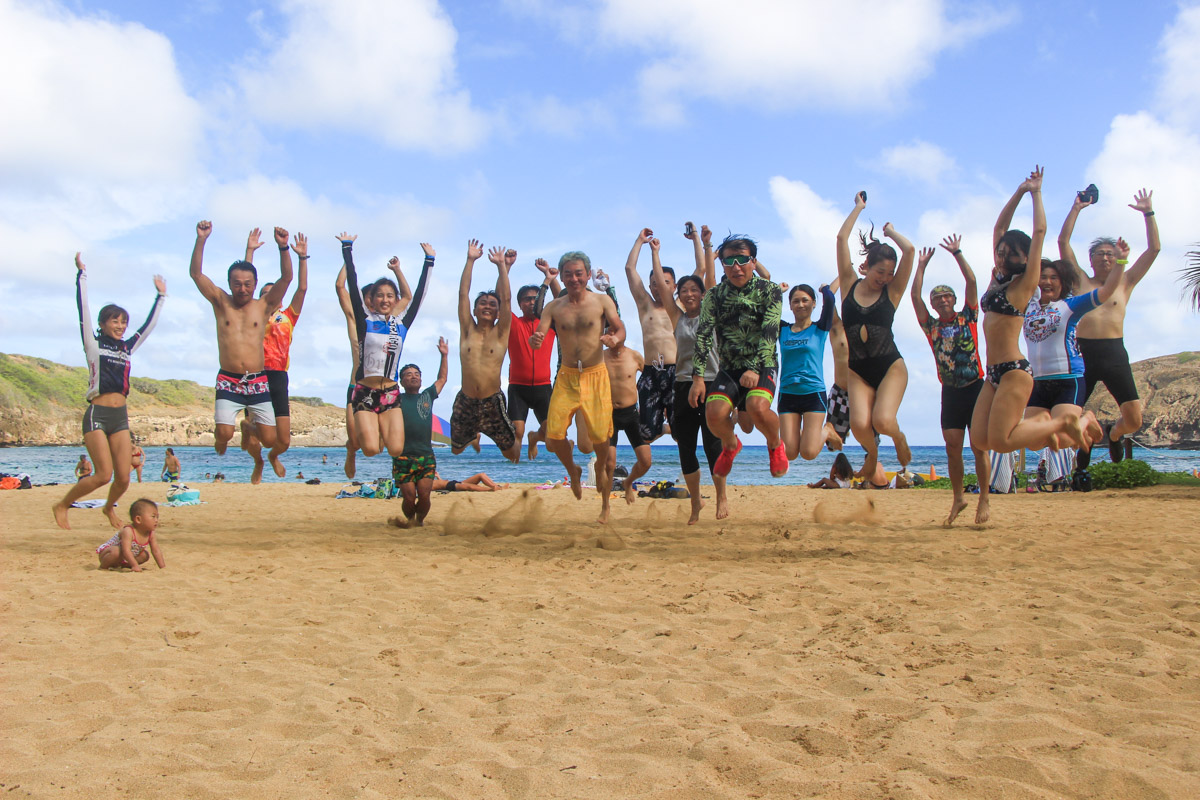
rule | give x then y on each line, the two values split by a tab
878	376
997	422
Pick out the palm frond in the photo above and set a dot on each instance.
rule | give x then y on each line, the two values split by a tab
1190	277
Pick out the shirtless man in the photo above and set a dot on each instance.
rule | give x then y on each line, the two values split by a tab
656	386
482	343
623	364
1100	334
277	346
529	376
241	325
582	382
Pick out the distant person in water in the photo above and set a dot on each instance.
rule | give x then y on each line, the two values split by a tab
134	543
106	420
242	382
277	345
171	467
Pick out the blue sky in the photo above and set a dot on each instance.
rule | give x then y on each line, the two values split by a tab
549	126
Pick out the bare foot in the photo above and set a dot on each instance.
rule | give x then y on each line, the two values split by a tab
956	508
697	504
350	462
113	519
868	467
630	492
256	474
603	518
576	473
533	446
983	512
722	507
1073	430
277	465
903	452
832	440
60	516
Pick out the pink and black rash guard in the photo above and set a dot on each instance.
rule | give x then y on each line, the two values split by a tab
108	359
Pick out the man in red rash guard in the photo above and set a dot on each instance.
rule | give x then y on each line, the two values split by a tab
529	379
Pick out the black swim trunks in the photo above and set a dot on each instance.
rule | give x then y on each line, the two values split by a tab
277	380
523	398
1050	392
958	404
107	419
1107	361
488	416
813	402
656	399
627	420
726	387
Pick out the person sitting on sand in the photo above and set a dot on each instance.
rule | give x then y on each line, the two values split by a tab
136	542
582	382
414	470
171	467
878	479
479	482
137	459
839	475
623	364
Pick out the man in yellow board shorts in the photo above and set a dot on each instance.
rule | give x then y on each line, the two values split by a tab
579	318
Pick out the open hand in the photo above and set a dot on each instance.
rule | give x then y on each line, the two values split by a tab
427	248
496	256
442	347
300	245
1141	202
160	284
1034	182
1122	250
346	238
952	242
254	240
924	255
474	249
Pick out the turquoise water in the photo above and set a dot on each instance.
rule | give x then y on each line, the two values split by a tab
57	464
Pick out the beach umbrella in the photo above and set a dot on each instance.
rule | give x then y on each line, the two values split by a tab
441	430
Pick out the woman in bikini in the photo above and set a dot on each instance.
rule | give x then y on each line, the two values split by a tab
106	421
878	376
997	420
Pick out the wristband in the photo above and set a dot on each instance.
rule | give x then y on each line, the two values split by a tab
303	258
283	248
956	252
1122	261
1148	214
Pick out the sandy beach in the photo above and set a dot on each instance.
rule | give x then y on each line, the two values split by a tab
297	646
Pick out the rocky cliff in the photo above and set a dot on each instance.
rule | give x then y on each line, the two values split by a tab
1170	390
41	403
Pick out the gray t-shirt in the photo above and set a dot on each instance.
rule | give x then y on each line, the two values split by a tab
685	349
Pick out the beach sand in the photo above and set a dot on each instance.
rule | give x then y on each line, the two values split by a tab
296	646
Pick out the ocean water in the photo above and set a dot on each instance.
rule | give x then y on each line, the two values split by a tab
57	464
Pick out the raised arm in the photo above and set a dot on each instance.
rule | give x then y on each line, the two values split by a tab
659	279
278	291
465	321
405	298
90	348
549	281
343	297
710	260
160	286
253	242
1027	281
1004	221
207	288
904	268
499	257
443	367
1111	283
761	270
845	263
953	243
640	296
422	285
354	295
300	245
697	247
918	284
1065	251
1137	271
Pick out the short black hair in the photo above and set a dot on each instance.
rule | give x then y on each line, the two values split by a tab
738	240
530	288
689	278
242	266
141	506
409	366
802	287
487	293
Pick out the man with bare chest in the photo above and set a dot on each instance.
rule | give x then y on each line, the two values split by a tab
624	364
582	383
482	344
656	386
1101	333
242	383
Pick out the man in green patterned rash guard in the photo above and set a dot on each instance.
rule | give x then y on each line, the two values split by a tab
743	312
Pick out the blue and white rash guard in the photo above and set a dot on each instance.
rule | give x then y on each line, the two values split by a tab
802	355
108	359
380	337
1050	334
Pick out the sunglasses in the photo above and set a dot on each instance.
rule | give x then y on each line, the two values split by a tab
739	260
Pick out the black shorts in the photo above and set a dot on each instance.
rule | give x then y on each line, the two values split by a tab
656	399
1107	361
277	380
726	387
523	398
815	402
1050	392
958	404
626	420
108	419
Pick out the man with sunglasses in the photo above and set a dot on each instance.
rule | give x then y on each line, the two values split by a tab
1101	334
743	310
482	343
529	379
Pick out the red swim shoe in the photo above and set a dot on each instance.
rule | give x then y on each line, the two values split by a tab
779	461
725	460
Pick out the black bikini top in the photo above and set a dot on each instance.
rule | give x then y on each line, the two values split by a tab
996	299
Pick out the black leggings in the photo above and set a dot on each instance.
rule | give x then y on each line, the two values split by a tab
684	426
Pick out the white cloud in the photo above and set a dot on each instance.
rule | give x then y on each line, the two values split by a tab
811	220
382	70
1179	90
918	160
784	54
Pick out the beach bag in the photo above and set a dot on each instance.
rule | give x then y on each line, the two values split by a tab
181	495
1081	481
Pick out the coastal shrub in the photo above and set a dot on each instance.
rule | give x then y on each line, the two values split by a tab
1177	479
315	402
1127	474
39	383
1186	357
